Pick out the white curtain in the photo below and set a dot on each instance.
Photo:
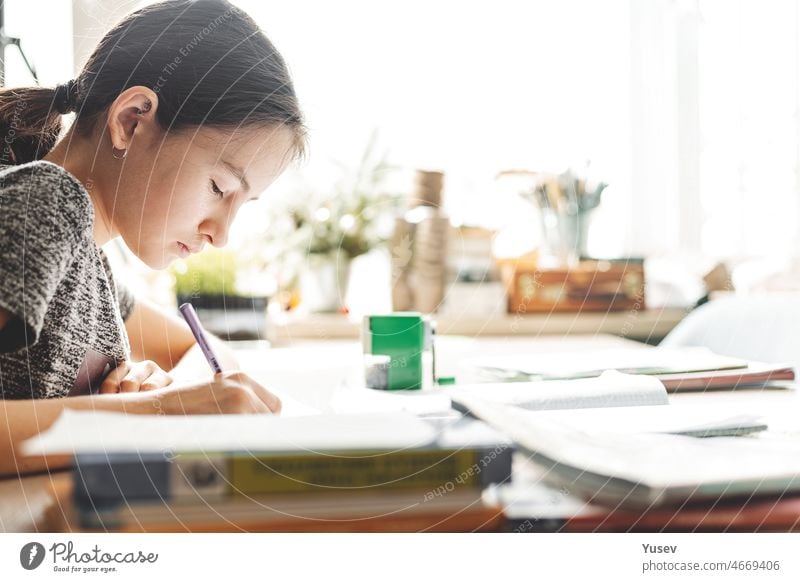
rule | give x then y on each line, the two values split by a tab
716	127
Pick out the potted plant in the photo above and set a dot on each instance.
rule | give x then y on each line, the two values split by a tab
209	282
320	235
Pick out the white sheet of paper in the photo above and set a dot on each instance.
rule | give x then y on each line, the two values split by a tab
89	431
675	418
609	389
419	402
291	406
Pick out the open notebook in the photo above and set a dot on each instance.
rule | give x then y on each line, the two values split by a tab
634	403
608	389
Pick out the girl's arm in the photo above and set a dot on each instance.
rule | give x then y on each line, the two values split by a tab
23	419
231	392
163	337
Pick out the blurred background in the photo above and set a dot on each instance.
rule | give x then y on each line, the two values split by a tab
519	166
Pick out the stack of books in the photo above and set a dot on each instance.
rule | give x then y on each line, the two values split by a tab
678	369
370	472
612	453
531	505
643	470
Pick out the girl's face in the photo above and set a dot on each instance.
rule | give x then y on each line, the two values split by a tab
178	191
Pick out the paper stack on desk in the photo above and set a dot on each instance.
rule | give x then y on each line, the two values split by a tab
613	467
692	368
532	505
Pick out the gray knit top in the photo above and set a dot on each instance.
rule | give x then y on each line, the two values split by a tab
66	330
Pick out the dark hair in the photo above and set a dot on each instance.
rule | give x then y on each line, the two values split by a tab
207	60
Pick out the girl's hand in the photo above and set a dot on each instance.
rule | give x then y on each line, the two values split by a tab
232	392
135	377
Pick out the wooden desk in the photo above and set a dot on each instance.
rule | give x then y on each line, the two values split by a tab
311	371
25	502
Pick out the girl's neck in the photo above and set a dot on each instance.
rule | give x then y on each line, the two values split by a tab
77	156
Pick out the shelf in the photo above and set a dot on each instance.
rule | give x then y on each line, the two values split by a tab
649	325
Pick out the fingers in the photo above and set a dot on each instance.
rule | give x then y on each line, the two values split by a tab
111	383
231	392
135	377
255	406
158	379
260	400
272	402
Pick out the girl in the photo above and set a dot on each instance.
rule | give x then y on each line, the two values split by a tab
183	113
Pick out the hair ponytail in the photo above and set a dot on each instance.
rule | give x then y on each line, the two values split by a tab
207	60
30	123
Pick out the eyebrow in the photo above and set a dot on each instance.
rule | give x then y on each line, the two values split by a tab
238	173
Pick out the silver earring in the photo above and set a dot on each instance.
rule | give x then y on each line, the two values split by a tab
114	153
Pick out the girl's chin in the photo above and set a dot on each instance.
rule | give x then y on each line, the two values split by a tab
158	261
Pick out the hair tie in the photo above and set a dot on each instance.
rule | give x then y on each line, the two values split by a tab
66	97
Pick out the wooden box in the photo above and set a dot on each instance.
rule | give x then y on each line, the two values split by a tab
592	285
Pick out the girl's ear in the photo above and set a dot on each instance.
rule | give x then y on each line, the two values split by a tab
133	107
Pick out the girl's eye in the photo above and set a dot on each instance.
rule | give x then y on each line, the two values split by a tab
216	191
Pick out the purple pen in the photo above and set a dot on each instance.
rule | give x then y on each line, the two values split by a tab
190	315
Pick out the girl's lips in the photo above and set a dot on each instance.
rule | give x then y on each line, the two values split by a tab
184	250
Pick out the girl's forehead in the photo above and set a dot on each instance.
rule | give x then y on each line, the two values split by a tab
253	156
245	144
